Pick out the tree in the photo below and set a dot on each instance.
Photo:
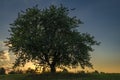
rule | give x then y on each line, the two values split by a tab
2	71
50	37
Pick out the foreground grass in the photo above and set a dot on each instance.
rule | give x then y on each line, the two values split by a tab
60	76
13	77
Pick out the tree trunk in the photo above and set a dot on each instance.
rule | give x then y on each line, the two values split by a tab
52	68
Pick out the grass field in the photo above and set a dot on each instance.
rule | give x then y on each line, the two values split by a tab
60	76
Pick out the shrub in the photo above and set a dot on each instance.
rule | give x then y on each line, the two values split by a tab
82	72
16	72
30	70
65	70
12	72
95	72
2	71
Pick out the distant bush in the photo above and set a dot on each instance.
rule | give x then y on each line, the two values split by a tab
2	71
102	72
12	72
95	72
65	70
19	72
81	72
16	72
30	70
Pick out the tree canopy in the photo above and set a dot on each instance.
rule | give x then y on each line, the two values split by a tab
50	37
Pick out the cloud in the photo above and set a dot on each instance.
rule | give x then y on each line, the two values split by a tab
2	46
4	55
6	58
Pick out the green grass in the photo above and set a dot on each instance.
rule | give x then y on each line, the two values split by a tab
60	76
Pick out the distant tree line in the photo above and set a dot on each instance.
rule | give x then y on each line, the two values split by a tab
33	71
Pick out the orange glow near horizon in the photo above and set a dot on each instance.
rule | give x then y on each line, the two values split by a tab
108	63
107	68
99	68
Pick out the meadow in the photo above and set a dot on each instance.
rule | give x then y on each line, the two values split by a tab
60	76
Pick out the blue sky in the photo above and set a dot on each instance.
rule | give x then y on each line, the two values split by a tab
101	19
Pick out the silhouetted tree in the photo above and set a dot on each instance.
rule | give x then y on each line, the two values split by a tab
50	36
2	71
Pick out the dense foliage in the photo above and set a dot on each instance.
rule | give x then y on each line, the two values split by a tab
50	38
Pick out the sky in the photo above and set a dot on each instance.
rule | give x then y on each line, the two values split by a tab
101	19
